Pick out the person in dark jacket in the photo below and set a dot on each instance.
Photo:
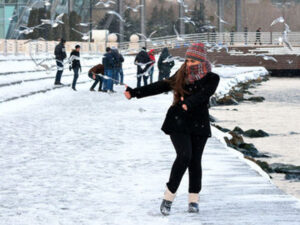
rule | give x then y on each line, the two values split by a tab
60	55
164	67
118	70
96	73
75	65
108	62
232	36
258	34
187	120
246	35
143	62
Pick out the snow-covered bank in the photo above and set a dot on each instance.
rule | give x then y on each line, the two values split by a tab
231	76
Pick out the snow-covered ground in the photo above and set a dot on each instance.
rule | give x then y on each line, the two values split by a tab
91	158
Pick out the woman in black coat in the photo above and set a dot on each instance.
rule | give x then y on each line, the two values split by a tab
187	120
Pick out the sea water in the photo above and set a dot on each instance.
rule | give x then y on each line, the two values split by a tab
278	115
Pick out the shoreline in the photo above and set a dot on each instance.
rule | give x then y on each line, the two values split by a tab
234	138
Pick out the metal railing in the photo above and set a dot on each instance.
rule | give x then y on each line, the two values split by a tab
16	47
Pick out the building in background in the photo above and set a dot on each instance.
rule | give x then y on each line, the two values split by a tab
14	13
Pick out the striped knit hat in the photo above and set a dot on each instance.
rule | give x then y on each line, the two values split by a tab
197	52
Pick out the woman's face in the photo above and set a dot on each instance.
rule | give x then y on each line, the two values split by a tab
191	62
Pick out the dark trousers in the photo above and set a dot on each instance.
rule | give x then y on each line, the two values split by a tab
75	78
139	80
162	75
189	149
97	80
257	40
151	74
60	69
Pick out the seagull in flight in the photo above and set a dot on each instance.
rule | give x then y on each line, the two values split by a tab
278	20
55	22
147	38
187	20
116	14
28	30
105	4
177	34
84	24
266	57
85	36
221	20
135	9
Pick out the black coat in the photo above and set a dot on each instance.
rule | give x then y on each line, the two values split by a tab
108	61
118	57
75	63
196	119
60	51
142	57
165	68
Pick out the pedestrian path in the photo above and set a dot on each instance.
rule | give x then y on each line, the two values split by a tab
92	158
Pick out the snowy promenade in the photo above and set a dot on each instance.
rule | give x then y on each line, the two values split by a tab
90	158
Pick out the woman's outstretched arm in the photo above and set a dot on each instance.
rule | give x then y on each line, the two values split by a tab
150	89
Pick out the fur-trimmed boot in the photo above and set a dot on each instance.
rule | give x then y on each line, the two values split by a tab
166	204
193	203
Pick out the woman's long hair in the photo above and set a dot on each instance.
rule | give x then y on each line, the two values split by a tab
178	83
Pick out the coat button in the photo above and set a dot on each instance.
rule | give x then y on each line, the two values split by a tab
176	117
202	125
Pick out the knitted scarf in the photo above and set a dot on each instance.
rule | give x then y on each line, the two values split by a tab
197	72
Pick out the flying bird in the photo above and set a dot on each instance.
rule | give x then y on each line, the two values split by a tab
266	57
147	38
173	58
28	30
84	24
187	20
221	20
278	20
55	22
116	14
85	36
105	4
135	9
177	34
285	37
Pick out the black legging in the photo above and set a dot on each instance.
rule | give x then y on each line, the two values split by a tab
189	149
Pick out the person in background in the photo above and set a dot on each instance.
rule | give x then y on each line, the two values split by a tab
94	74
143	61
108	62
75	65
118	70
258	36
121	74
60	55
246	35
232	36
213	36
164	67
151	71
